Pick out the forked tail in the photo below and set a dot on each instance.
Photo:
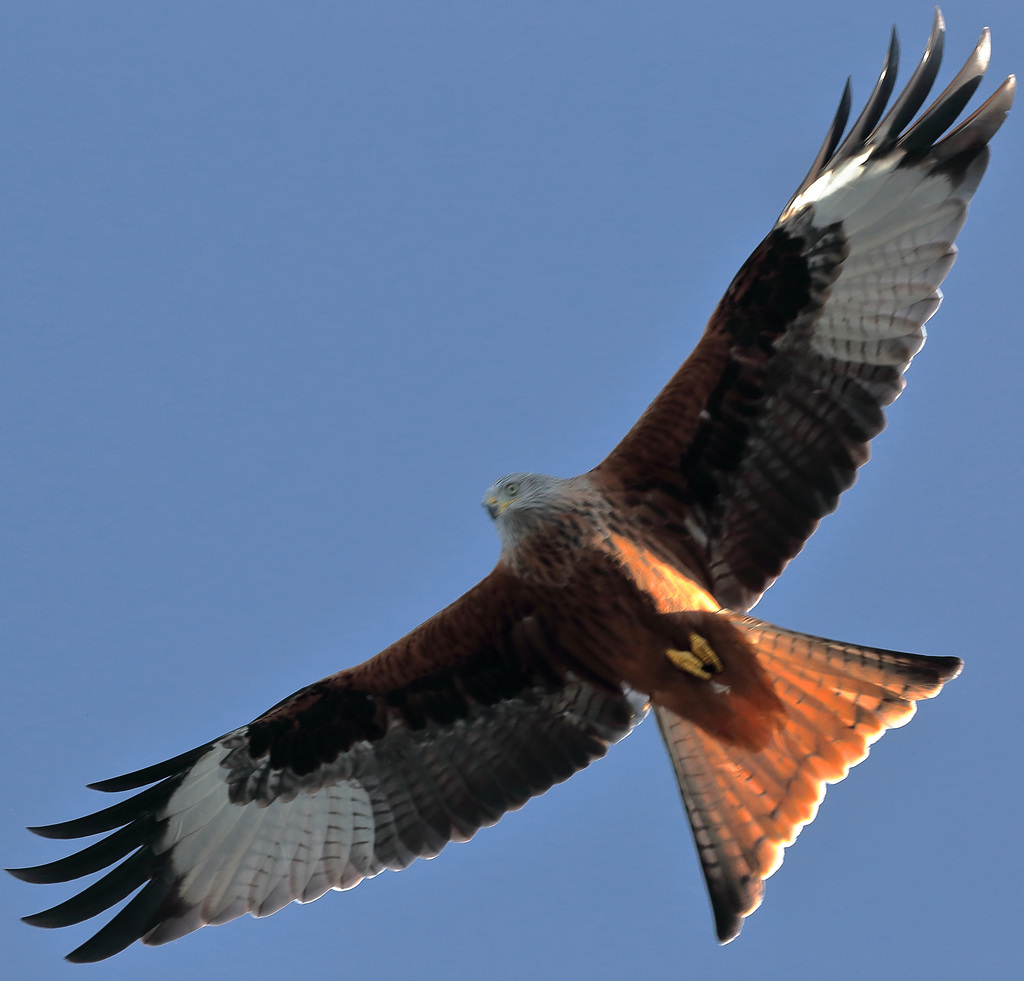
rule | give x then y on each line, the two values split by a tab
746	806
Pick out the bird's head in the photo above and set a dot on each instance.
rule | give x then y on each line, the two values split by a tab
517	491
520	502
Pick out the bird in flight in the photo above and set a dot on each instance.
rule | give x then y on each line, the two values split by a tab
623	590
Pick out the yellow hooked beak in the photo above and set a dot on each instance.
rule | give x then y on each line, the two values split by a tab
496	507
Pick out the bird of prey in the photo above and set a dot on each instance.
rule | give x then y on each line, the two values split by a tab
621	590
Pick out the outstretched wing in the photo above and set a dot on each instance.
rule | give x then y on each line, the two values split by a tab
460	721
765	424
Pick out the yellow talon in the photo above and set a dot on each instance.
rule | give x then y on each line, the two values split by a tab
697	661
688	662
705	653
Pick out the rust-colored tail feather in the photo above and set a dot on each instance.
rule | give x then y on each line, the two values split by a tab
746	806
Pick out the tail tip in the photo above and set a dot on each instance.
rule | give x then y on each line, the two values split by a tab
948	668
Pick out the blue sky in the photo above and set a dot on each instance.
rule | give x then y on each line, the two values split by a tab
287	285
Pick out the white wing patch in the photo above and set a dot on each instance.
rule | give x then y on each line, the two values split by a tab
900	227
254	857
295	839
900	215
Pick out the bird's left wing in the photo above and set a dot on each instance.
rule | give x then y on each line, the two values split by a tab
765	424
462	720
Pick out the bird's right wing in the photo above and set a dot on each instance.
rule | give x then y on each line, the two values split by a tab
462	720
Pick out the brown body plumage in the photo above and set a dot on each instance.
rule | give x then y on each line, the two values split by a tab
625	588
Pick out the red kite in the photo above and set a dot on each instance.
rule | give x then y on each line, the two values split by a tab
623	588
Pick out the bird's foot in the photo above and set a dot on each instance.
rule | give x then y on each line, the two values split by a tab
701	660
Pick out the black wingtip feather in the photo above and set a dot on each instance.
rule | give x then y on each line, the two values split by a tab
832	137
943	112
100	896
111	817
131	924
924	136
977	129
150	774
877	100
97	856
916	90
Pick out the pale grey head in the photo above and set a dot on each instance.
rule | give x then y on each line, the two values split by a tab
521	502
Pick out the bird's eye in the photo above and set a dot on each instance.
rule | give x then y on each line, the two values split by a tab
512	489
